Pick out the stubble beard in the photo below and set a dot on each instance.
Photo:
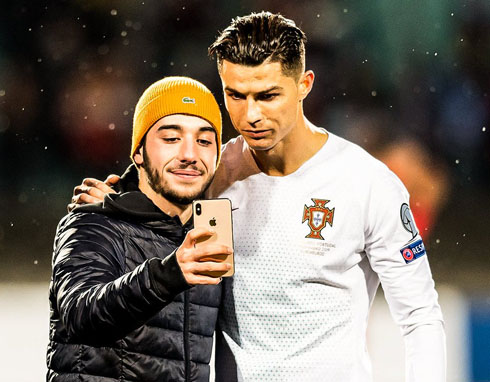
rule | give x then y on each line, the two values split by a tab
164	189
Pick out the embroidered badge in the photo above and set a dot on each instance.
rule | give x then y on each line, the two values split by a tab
318	216
413	251
188	100
407	220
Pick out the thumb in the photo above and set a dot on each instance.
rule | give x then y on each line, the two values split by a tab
196	234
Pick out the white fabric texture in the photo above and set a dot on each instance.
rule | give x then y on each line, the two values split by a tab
297	307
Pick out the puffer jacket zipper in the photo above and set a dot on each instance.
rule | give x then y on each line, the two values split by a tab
187	360
187	356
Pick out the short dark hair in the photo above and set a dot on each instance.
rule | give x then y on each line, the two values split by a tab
253	39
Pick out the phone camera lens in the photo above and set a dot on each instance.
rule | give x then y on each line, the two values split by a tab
198	208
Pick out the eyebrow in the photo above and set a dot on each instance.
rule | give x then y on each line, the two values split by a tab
271	89
179	128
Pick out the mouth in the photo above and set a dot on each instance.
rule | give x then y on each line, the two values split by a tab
186	173
256	134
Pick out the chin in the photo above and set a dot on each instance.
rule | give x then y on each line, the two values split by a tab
187	193
259	146
182	199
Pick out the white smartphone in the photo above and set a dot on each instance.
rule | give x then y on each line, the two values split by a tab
215	214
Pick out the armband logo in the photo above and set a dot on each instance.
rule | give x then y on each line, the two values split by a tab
413	251
407	220
317	217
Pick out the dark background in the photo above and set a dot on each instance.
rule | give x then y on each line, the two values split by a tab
407	80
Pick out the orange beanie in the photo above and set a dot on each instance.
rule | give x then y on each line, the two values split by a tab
174	95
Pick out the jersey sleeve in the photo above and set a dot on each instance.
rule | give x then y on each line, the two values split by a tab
397	254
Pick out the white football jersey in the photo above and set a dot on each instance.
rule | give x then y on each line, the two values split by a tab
310	251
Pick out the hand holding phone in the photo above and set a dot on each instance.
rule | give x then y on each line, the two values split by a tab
202	264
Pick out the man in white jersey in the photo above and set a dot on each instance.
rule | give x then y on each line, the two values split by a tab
318	224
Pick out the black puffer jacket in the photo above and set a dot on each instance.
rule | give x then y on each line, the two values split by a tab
118	312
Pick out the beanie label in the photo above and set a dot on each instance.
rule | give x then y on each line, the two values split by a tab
188	100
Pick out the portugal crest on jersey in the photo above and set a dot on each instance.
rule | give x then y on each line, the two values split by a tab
317	217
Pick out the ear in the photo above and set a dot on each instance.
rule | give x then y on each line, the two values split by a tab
138	156
305	84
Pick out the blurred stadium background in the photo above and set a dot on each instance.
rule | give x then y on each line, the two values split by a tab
409	81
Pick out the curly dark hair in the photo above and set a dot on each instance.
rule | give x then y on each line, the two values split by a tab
262	37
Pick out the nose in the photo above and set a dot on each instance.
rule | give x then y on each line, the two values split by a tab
254	113
188	150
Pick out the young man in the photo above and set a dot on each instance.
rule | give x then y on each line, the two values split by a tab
318	224
125	304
